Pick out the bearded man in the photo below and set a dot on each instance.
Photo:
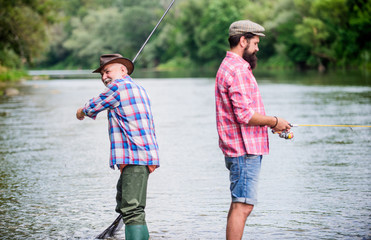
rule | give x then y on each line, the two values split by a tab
241	122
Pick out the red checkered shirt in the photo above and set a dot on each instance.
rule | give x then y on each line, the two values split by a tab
237	98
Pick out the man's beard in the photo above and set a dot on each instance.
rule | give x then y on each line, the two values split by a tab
250	58
107	81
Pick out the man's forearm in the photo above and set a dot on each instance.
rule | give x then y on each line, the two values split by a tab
277	124
261	120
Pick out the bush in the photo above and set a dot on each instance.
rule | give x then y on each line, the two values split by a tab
8	75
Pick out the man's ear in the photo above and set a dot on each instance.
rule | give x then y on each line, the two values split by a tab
243	42
124	69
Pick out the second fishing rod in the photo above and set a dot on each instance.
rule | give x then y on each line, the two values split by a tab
290	135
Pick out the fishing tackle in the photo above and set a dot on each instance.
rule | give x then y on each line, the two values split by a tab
290	135
284	134
320	125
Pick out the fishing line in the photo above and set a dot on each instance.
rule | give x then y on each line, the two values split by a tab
320	125
290	135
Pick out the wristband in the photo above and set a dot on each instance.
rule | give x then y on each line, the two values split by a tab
276	122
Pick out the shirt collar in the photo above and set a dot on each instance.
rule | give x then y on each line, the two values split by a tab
237	57
232	54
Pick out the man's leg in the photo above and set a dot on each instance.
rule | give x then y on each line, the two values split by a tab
244	174
119	194
132	201
237	216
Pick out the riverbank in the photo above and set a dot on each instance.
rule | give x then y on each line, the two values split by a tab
10	81
12	75
10	88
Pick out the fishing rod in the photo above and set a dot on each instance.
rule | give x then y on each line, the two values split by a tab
319	125
118	222
290	135
154	29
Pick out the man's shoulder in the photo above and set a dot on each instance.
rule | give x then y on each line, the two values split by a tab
233	61
130	87
230	66
126	82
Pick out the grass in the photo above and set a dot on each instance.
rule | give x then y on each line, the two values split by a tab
12	75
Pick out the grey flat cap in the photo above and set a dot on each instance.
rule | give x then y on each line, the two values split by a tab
245	26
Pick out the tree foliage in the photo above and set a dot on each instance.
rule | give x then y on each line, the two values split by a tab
83	45
302	33
23	30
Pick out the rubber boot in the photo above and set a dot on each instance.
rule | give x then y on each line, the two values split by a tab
136	232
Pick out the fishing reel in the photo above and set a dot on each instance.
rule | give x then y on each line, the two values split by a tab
284	134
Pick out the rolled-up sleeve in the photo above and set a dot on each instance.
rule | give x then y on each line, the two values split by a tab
240	95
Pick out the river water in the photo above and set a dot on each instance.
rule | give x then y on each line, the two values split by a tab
56	183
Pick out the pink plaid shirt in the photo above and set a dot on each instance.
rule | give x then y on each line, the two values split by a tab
237	98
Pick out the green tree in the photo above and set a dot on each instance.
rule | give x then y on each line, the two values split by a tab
138	24
360	23
98	27
197	34
211	34
175	44
94	35
327	28
302	33
271	15
23	30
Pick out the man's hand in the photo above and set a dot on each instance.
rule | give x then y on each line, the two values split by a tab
80	114
282	125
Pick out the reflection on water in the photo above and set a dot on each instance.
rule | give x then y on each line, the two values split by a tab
56	183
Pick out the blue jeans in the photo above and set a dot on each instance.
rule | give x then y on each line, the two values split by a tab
243	175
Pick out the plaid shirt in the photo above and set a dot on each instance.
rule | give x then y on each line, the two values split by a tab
237	98
131	127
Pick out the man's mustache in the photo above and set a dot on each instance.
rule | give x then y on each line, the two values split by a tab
107	81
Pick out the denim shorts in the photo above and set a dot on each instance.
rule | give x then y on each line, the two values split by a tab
243	175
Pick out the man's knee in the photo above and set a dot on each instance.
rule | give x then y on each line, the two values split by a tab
135	216
243	208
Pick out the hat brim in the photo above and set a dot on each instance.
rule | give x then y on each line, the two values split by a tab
258	34
124	61
242	33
